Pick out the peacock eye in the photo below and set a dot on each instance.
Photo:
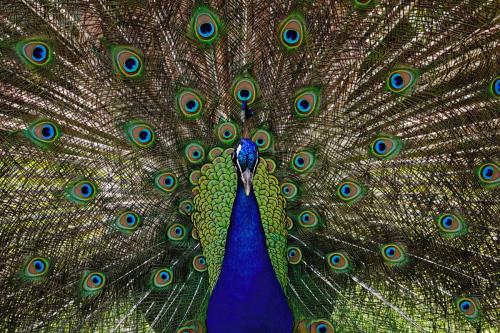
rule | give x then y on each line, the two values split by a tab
262	139
128	222
289	190
303	161
190	103
244	89
166	181
385	147
292	31
309	218
140	134
451	225
34	53
394	254
93	283
200	263
205	25
81	191
227	132
350	191
195	153
468	306
321	326
194	176
271	165
294	255
176	232
127	61
35	269
495	87
43	132
489	174
186	207
306	102
161	278
401	80
338	261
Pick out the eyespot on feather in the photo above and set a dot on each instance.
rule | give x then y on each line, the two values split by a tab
263	139
401	80
140	134
394	254
205	25
385	147
292	32
488	174
165	181
339	261
43	133
200	263
350	191
127	61
294	255
306	102
303	161
92	283
81	191
36	53
176	232
161	278
190	103
35	269
128	221
451	225
245	89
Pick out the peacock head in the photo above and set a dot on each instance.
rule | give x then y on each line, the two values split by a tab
246	159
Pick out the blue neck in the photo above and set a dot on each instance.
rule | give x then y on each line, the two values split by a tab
247	297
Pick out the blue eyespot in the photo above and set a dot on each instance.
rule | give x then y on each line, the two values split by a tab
145	136
39	53
397	81
169	180
306	217
164	276
303	105
380	146
465	305
131	219
291	36
299	161
86	190
447	222
192	106
39	266
131	65
336	259
206	30
496	87
346	189
96	279
48	131
487	172
390	251
321	328
178	231
244	94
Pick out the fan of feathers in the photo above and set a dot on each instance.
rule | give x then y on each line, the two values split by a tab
377	128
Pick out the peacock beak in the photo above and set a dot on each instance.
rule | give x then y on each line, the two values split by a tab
246	178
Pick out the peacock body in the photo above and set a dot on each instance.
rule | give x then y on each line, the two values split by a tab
249	166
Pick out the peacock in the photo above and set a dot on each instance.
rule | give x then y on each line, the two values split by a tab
249	166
